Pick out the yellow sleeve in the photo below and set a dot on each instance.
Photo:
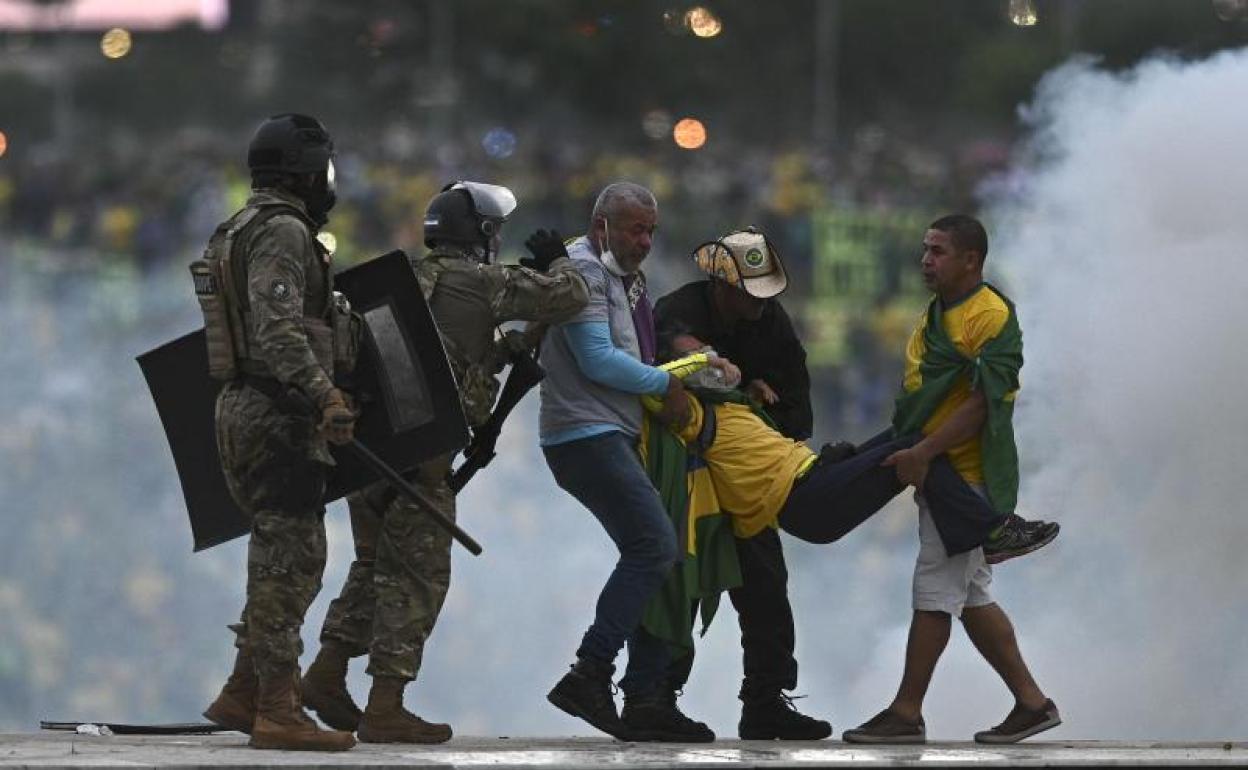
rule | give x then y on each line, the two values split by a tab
683	367
983	326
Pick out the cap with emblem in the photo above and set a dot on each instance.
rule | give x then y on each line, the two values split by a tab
746	259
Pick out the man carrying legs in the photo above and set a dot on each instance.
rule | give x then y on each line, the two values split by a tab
962	366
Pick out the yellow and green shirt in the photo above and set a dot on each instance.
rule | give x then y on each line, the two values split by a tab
970	323
752	467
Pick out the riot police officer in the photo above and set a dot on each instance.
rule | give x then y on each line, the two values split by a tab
397	584
270	326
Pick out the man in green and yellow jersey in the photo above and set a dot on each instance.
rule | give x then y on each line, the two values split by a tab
962	366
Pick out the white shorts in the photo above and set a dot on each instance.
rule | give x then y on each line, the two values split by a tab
944	583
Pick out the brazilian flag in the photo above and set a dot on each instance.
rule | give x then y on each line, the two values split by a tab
994	371
709	563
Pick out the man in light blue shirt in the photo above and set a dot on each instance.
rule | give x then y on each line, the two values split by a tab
597	364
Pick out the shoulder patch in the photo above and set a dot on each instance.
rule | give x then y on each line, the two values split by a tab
280	290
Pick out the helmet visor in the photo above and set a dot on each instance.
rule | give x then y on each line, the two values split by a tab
490	200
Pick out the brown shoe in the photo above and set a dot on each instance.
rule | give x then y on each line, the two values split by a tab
887	727
235	706
1022	723
325	689
386	721
282	724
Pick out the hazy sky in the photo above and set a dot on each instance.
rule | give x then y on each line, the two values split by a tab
102	14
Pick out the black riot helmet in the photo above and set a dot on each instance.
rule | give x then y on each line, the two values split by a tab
290	143
468	215
289	147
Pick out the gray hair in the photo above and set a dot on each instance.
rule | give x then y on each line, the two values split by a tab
618	196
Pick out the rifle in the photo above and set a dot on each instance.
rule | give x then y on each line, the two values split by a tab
525	374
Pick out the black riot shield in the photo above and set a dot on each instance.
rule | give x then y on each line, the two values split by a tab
411	408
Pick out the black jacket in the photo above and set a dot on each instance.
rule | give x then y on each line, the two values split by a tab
766	349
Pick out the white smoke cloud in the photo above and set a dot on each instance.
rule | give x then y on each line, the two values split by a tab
1122	239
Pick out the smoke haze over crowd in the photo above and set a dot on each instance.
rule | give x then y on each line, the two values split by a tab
1119	233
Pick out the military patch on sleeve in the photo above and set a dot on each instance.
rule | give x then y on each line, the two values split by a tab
280	290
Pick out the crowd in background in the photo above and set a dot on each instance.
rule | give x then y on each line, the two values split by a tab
95	239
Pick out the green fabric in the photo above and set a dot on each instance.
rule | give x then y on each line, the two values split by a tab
995	372
702	576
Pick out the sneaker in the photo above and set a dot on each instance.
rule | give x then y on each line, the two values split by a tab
655	717
1019	537
1022	723
887	727
585	692
776	718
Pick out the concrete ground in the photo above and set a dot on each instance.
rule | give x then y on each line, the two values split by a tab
57	749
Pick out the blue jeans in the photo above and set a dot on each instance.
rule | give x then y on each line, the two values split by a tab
605	474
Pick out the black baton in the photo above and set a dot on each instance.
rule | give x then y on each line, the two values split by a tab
296	399
404	487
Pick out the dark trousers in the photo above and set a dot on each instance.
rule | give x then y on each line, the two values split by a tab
605	474
834	498
765	617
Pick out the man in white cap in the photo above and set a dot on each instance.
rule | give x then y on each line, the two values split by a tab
735	311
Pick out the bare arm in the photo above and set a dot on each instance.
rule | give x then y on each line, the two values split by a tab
965	423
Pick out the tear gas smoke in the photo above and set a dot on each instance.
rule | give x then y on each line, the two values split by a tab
1120	234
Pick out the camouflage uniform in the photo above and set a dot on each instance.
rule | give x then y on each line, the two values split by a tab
275	461
398	582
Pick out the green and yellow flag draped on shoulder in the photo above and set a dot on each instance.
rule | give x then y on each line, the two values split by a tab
708	548
995	371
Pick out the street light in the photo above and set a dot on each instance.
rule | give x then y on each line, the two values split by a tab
115	43
1023	13
689	134
703	22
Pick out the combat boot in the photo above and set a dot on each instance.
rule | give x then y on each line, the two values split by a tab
772	716
653	716
235	706
585	692
281	723
386	721
325	688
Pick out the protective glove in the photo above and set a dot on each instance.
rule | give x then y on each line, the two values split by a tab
546	246
337	420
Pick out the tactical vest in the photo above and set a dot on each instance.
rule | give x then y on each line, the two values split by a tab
221	287
466	323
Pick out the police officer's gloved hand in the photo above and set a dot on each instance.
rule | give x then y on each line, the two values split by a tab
337	419
546	246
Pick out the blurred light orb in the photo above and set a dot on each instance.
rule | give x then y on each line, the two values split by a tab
328	240
1231	10
1023	13
116	43
656	124
702	22
4	144
499	143
383	31
689	134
